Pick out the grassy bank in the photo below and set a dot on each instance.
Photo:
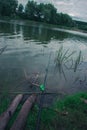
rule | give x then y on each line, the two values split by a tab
67	114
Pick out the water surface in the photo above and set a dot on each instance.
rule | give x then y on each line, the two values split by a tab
28	48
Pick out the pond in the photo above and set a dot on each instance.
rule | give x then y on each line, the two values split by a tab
28	48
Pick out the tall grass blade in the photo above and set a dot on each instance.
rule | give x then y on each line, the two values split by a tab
77	61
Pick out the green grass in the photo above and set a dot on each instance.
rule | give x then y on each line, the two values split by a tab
4	102
69	113
76	118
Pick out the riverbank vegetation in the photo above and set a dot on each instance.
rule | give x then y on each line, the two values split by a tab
45	13
81	25
33	11
67	114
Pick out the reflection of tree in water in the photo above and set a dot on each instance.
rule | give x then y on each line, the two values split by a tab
9	28
34	31
6	28
41	33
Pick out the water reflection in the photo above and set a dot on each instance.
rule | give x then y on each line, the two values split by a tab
29	46
42	34
39	33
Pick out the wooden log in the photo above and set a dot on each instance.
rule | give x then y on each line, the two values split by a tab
4	118
21	119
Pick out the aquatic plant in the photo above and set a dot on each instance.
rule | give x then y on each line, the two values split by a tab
77	61
63	57
66	59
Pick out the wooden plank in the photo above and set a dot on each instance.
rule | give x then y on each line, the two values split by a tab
4	118
21	119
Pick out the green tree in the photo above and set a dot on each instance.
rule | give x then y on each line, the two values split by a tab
53	14
39	12
30	9
20	8
46	13
8	7
66	20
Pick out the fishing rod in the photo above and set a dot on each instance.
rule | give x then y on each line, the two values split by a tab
42	88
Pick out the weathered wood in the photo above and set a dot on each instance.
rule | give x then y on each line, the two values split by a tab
21	119
4	118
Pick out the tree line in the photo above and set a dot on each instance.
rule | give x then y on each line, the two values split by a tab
33	11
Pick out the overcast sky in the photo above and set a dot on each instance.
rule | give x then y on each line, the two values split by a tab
75	8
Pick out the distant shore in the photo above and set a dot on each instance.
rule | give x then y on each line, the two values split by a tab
72	30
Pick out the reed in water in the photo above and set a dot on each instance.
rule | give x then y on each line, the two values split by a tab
66	60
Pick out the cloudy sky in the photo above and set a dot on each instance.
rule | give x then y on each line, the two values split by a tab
75	8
